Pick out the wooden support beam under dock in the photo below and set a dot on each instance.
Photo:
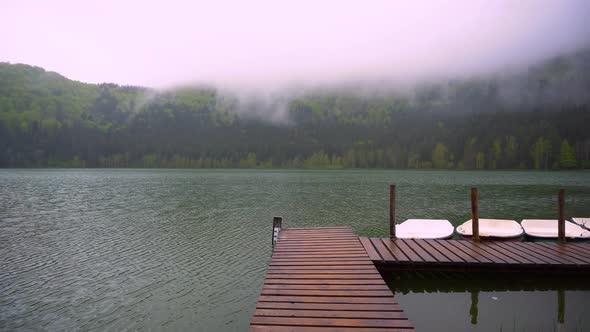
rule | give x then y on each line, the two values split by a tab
322	279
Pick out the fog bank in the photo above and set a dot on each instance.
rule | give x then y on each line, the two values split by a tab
268	45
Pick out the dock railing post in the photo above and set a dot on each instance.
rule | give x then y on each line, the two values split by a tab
392	211
561	220
474	215
276	228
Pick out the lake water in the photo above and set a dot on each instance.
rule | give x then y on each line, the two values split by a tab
488	302
188	249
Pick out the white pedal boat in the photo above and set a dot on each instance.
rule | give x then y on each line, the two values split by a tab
584	222
493	229
547	229
424	229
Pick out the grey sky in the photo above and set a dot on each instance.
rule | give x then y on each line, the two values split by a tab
272	43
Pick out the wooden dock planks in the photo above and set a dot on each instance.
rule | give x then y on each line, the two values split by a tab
325	279
417	254
322	279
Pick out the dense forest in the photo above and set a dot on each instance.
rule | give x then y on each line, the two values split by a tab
534	118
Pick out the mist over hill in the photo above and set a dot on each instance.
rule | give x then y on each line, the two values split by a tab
522	117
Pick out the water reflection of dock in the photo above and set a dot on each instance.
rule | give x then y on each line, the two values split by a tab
446	287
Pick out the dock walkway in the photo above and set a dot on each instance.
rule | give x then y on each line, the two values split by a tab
326	278
496	256
322	279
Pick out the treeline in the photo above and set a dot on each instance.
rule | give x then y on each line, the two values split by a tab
534	119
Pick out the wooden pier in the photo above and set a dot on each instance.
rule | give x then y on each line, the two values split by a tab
322	279
493	256
326	278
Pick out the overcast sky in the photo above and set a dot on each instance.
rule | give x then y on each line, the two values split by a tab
270	43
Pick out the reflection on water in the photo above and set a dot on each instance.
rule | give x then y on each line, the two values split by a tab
493	302
180	249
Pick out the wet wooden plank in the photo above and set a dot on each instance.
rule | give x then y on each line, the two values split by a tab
519	253
332	322
531	253
328	299
318	246
448	254
459	252
324	281
285	236
519	259
319	255
326	248
327	287
408	252
395	251
315	268
567	250
319	252
322	267
423	244
330	292
553	254
318	229
383	251
311	262
475	252
282	328
323	276
289	328
585	247
299	270
328	306
551	257
493	252
370	249
330	313
420	251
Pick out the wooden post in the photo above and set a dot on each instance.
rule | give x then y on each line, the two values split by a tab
473	309
560	306
561	220
276	224
474	215
392	211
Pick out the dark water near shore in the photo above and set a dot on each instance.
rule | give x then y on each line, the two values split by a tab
188	249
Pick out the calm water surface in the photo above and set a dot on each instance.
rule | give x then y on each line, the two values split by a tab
188	249
472	302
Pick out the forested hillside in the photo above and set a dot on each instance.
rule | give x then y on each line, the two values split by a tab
536	117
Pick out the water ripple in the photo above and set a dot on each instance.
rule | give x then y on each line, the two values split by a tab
186	250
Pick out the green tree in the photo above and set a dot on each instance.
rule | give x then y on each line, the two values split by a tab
540	152
496	153
480	160
470	153
510	151
248	162
567	158
440	156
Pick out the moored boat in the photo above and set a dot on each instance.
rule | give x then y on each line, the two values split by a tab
492	229
584	222
425	229
539	230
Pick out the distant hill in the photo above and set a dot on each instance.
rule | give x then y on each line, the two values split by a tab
535	117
